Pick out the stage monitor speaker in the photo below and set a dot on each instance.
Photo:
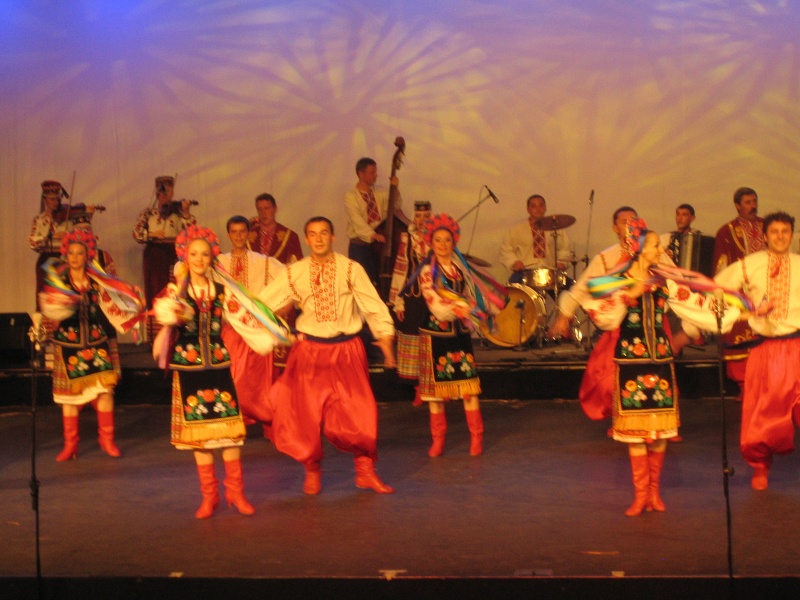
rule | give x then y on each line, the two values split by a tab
15	347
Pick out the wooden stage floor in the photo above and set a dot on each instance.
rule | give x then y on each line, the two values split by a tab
539	514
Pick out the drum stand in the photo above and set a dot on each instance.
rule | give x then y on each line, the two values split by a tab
520	306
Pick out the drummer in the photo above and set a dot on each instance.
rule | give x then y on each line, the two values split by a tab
529	245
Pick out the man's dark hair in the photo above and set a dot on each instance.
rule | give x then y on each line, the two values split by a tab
622	209
268	197
237	219
688	207
317	220
363	163
741	192
528	201
778	217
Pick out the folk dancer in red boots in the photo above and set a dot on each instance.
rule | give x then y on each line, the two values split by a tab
205	413
771	402
325	388
456	298
633	300
253	374
85	302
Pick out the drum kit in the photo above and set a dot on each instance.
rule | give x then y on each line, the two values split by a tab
526	317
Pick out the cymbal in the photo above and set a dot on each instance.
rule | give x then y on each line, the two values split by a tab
554	222
477	261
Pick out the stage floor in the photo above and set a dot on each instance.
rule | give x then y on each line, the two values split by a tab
545	500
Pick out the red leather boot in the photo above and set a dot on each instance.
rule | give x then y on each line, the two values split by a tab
760	480
367	478
438	431
70	439
313	483
655	460
105	434
475	425
234	487
640	466
209	488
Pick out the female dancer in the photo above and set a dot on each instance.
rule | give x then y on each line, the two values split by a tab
205	413
85	302
409	306
456	297
633	299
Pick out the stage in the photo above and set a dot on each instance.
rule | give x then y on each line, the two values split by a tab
527	373
540	513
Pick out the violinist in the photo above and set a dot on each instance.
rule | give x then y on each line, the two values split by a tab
51	223
49	226
157	227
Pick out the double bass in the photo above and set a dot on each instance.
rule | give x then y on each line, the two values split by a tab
392	227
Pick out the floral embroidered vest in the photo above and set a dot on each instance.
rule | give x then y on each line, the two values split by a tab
199	344
642	336
434	326
83	337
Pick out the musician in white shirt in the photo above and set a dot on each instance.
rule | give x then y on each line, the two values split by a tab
527	246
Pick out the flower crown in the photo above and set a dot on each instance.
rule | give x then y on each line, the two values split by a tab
195	232
441	221
82	237
635	232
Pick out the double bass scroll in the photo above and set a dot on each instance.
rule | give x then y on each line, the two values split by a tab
393	225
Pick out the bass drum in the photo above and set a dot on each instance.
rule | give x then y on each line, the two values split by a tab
519	320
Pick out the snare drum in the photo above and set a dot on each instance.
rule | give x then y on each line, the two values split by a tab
519	320
544	278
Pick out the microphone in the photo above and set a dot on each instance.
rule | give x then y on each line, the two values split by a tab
491	193
719	301
591	197
37	332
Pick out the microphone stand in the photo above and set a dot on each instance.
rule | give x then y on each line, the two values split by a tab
727	471
589	343
520	305
475	224
37	334
481	201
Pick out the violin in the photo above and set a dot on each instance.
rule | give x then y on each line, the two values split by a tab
173	207
65	211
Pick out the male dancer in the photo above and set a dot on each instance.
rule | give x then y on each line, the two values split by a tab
326	381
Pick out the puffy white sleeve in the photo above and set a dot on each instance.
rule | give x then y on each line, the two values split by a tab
697	311
169	310
57	306
246	325
441	308
607	313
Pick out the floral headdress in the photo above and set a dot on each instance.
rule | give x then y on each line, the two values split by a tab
635	234
480	288
442	221
82	237
195	232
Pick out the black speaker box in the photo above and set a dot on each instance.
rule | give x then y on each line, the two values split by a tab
15	347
